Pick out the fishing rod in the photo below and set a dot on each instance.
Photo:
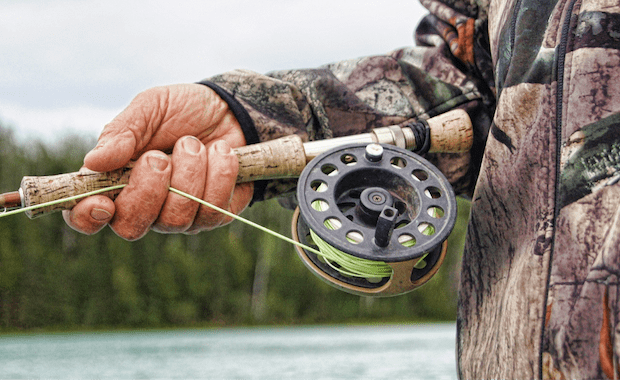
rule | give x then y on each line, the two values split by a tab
373	216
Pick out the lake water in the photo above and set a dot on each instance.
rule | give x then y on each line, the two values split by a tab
421	351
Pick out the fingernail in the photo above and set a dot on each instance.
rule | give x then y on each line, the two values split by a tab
158	162
222	147
192	144
100	214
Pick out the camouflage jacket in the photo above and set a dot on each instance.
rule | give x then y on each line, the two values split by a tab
539	282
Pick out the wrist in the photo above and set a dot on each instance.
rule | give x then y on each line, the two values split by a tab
241	114
247	127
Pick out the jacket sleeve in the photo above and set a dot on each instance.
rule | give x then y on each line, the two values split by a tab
440	73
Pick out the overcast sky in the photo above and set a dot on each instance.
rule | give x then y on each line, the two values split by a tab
69	66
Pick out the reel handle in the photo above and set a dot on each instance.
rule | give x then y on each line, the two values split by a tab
285	157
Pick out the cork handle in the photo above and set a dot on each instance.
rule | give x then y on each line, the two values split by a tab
37	190
451	132
280	158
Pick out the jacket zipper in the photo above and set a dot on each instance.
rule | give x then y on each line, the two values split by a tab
513	26
560	66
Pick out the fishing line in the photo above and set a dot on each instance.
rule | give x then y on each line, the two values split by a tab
340	261
203	202
244	220
346	264
59	201
350	265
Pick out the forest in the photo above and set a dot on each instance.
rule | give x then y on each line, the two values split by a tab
53	278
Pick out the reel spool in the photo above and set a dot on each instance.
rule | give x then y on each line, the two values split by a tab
382	207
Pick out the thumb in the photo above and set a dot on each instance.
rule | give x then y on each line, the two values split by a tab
124	136
112	152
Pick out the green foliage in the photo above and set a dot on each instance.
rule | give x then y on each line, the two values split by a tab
53	277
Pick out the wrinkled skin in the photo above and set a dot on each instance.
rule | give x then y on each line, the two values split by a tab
197	127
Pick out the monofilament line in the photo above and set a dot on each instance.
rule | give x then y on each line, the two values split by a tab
246	221
202	202
348	265
59	201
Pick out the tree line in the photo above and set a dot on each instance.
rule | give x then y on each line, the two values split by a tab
52	277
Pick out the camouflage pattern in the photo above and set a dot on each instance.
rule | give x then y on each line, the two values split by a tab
355	96
539	290
539	283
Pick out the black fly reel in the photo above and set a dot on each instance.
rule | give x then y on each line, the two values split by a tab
376	206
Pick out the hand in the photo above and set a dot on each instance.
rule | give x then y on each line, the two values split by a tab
193	123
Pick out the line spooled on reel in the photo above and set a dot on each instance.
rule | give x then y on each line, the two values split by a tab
384	208
374	216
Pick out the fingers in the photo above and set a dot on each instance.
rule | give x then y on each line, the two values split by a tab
222	168
140	202
189	162
242	196
147	204
90	215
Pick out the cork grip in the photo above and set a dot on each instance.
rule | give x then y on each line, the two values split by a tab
38	190
451	132
281	158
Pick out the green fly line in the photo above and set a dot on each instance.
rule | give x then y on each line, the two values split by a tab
348	265
353	266
342	262
59	201
172	189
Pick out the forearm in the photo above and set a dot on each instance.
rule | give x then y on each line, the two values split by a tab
355	96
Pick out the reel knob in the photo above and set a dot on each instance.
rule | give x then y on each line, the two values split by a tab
373	206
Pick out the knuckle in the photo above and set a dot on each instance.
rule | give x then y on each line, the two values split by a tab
227	173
